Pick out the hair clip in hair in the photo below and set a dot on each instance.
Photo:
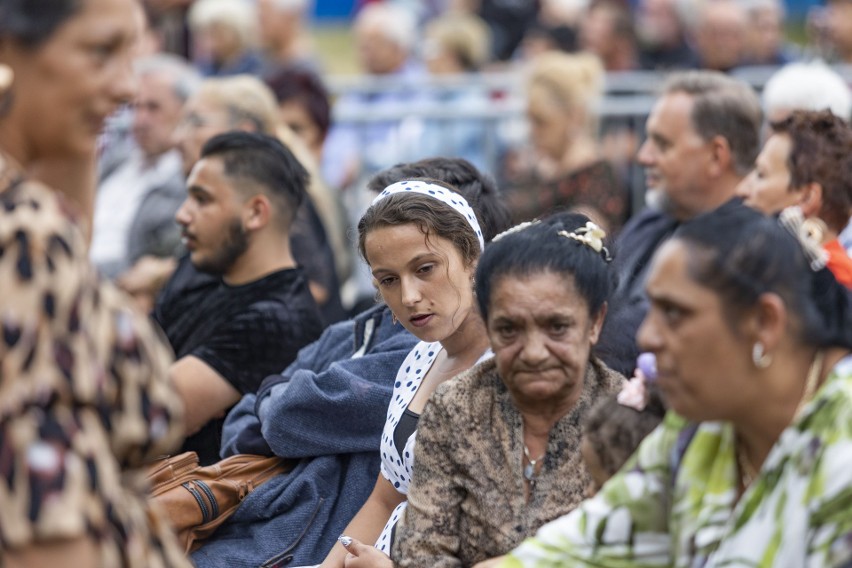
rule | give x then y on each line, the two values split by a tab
592	236
516	229
808	234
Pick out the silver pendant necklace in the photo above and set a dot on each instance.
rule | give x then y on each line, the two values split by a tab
529	469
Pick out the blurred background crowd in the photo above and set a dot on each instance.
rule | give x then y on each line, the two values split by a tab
252	157
548	96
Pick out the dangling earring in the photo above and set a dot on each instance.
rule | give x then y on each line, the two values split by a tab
759	357
393	318
7	77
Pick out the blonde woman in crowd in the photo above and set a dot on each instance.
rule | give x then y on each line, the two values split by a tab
566	169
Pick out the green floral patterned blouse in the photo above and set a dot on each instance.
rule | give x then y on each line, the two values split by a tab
674	503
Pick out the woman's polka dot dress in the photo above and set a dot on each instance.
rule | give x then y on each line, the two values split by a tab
396	464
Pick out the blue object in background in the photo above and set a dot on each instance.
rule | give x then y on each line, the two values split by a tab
333	9
343	9
798	9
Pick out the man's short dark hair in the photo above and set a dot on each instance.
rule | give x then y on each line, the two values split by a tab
265	161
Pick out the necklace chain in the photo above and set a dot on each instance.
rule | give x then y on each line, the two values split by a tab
529	469
747	470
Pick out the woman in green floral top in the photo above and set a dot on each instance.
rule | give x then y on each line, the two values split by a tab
753	466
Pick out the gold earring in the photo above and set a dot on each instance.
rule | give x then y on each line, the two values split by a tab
393	319
7	77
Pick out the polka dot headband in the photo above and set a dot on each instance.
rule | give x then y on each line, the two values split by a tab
440	193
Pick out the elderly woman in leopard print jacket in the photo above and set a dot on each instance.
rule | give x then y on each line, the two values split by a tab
498	449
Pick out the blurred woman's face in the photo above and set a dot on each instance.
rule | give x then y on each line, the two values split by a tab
202	119
542	336
767	187
549	123
701	362
219	42
294	114
65	88
424	280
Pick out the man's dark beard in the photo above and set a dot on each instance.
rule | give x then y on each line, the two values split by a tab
235	244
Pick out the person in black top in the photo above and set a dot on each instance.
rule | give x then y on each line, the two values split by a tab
229	334
703	135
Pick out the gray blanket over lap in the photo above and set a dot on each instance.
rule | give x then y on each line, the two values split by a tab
328	410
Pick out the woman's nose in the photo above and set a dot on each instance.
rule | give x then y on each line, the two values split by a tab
535	349
410	292
648	336
744	187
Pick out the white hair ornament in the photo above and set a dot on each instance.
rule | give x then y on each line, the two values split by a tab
516	229
808	233
590	235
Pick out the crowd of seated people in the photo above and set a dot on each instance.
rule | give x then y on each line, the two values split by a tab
474	408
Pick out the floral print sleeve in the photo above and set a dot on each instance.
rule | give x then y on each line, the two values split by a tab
797	512
84	394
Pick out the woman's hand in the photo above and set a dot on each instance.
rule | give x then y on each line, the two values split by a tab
490	563
367	524
363	555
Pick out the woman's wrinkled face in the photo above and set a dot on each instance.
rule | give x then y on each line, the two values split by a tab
295	114
701	362
65	88
542	336
423	279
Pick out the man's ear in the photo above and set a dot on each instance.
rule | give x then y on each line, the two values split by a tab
257	212
720	156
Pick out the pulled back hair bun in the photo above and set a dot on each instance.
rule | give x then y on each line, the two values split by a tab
740	254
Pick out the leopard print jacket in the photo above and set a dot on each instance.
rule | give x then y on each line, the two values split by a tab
84	394
467	501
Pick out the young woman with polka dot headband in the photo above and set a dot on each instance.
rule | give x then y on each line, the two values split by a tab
422	241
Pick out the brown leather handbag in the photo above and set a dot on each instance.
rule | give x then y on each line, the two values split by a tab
196	500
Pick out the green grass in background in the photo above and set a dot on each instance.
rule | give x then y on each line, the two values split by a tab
335	48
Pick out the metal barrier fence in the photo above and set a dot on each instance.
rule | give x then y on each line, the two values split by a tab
501	114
